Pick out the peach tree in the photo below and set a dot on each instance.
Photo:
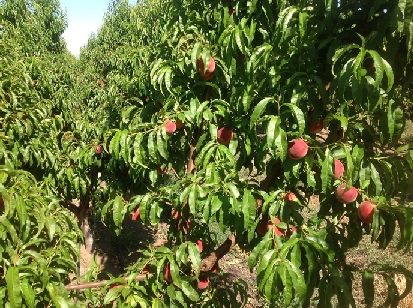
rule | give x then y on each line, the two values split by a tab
254	107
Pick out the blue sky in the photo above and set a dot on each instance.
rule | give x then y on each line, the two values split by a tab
84	17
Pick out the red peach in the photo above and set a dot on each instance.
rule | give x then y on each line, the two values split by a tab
262	227
290	197
366	212
209	73
168	276
170	127
146	269
160	171
174	213
338	168
346	196
224	135
297	149
315	128
339	135
203	282
98	149
136	216
200	245
179	124
277	230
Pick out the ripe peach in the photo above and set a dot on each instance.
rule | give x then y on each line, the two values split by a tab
146	269
136	216
366	212
316	127
98	149
174	213
179	124
262	227
346	196
224	135
338	168
266	224
170	127
203	282
290	231
168	276
160	171
277	230
209	73
297	149
290	197
200	245
339	135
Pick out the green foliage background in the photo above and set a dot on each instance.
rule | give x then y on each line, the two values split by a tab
279	65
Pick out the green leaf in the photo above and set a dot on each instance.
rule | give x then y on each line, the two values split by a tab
151	146
189	291
248	208
378	65
259	250
194	255
118	211
28	293
193	197
327	171
114	144
280	143
389	73
368	286
340	52
258	110
160	142
13	287
299	116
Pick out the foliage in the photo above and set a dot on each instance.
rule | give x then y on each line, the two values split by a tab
281	66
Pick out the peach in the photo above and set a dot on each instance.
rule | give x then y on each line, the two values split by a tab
262	227
168	276
297	149
146	269
98	149
174	213
224	135
207	74
338	168
316	127
265	225
203	282
277	230
366	212
159	170
136	216
200	245
346	196
170	127
290	197
339	135
2	205
290	232
179	124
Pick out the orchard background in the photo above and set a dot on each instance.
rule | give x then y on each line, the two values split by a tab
198	113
